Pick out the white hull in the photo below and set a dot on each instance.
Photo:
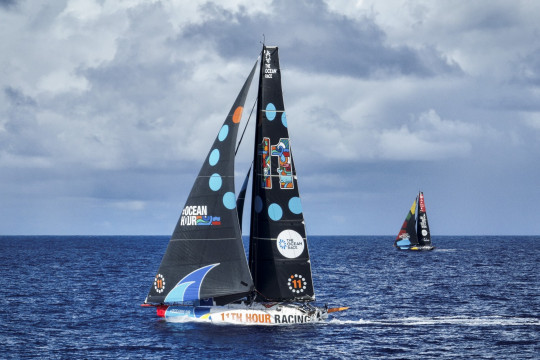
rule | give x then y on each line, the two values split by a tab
243	314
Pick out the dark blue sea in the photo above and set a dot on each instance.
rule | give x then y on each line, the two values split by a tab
78	297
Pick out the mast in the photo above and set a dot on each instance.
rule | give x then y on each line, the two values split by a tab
278	253
205	256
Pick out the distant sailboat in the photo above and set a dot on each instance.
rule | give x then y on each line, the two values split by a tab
204	273
414	233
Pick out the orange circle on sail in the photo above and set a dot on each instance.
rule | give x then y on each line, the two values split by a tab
237	114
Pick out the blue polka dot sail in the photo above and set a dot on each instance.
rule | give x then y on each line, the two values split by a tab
205	257
278	256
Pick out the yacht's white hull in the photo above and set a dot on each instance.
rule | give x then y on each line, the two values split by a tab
254	314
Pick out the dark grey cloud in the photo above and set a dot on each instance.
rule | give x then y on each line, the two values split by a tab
528	69
317	40
8	4
491	18
17	98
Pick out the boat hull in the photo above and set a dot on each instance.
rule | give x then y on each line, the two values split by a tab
243	314
417	248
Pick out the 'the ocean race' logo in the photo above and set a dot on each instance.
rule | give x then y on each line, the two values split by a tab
268	70
290	244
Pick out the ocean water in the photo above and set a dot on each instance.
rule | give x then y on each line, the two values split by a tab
78	297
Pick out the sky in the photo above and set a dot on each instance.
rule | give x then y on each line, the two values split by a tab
109	108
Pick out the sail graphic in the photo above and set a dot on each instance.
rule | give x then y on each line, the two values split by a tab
407	235
278	252
208	230
188	289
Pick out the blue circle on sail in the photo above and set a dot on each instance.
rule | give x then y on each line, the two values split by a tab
295	205
215	182
214	157
258	204
229	200
284	119
275	212
223	132
270	111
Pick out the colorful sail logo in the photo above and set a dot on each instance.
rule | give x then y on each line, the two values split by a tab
188	289
197	215
421	203
266	172
282	151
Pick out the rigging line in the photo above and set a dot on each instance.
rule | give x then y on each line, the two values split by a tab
261	294
245	127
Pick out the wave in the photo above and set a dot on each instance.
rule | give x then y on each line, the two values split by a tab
445	320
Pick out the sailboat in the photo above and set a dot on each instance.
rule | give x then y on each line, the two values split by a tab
204	274
414	233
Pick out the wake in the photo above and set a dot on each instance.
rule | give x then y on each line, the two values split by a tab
444	320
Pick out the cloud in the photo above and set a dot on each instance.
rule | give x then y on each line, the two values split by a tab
130	205
113	105
528	68
8	4
428	137
322	40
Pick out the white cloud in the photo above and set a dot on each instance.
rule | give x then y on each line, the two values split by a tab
428	137
532	120
129	205
61	81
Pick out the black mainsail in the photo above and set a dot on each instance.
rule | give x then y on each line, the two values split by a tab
206	243
424	237
278	252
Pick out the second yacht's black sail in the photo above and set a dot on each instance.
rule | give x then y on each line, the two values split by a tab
424	236
205	257
278	253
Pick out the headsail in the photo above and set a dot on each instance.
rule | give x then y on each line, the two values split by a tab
407	235
278	253
424	236
205	257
